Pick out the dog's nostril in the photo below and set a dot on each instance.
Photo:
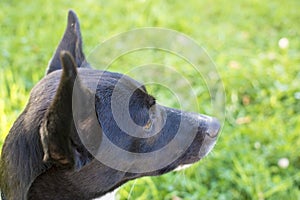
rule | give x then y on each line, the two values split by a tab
213	128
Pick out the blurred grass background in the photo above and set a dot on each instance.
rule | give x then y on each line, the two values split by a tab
261	77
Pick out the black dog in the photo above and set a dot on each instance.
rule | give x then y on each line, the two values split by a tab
51	150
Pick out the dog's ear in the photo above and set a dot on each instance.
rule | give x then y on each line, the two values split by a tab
70	42
55	130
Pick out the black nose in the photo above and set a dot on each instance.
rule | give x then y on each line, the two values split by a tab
213	127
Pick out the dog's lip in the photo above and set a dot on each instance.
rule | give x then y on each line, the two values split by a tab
213	128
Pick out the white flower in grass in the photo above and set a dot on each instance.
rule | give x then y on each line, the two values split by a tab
283	43
257	145
283	163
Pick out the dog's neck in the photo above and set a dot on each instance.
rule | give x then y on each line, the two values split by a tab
92	181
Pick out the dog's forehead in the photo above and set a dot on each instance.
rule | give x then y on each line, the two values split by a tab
43	92
94	79
90	78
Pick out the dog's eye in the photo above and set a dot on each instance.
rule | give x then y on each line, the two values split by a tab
148	124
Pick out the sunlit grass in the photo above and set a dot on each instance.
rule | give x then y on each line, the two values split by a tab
260	72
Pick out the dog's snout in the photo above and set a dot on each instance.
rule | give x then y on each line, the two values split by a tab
213	127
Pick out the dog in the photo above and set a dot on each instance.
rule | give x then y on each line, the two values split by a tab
56	147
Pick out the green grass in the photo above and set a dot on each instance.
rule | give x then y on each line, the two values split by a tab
261	80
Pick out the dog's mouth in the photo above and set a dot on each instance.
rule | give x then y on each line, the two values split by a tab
203	143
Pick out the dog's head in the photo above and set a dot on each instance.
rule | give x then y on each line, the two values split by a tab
126	120
107	122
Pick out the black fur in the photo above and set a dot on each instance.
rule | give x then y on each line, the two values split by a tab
43	156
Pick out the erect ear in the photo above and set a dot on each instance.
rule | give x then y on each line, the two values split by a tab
70	42
57	123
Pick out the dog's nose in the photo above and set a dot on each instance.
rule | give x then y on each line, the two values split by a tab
213	127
